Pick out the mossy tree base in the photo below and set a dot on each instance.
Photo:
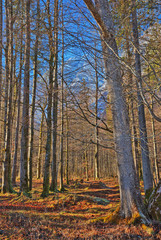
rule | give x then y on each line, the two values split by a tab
154	203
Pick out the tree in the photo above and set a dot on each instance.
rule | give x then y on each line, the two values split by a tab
55	97
6	178
14	168
25	111
147	175
45	192
62	110
1	28
130	195
34	93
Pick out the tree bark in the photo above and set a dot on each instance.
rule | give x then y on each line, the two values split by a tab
96	122
62	110
156	166
1	28
67	144
55	98
7	186
130	195
25	111
147	174
34	95
14	168
40	147
45	192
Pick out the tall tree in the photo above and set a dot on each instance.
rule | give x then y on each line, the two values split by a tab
49	108
67	144
156	162
62	110
1	28
147	175
34	93
14	168
55	96
25	111
96	119
40	146
130	195
6	186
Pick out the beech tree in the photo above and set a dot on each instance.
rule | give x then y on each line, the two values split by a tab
34	94
46	179
25	111
147	175
130	195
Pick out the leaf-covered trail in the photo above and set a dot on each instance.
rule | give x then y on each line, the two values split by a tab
68	215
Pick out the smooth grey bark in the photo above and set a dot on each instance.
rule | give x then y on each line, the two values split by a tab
53	186
96	122
131	109
67	144
147	174
156	165
40	147
7	186
130	195
62	111
1	28
87	164
6	71
1	79
45	192
14	168
34	94
25	111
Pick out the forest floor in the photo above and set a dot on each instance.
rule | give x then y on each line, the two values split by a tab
78	213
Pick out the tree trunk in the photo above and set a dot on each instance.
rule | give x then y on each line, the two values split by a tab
1	79
45	192
131	109
130	195
25	111
62	110
14	168
34	94
7	186
55	98
40	147
1	28
5	183
67	145
96	127
147	174
156	167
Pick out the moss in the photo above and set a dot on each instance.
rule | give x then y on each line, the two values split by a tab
148	194
154	203
135	219
112	218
